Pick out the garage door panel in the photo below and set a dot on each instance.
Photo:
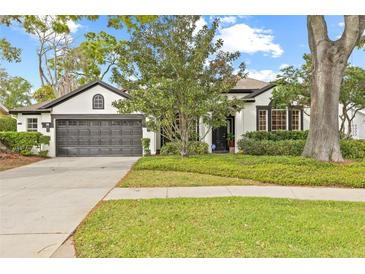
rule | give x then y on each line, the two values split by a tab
98	137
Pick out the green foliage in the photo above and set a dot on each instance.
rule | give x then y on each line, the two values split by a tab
20	142
7	123
44	94
277	135
44	139
43	153
282	170
194	148
8	52
352	96
351	149
14	91
265	147
146	145
293	85
175	74
23	142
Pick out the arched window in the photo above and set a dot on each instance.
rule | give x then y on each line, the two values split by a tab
98	101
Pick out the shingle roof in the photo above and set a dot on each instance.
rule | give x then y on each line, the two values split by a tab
46	106
31	108
251	87
249	84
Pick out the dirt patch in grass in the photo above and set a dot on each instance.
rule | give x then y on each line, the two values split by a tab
10	160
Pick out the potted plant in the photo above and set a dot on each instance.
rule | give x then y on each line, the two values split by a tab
231	142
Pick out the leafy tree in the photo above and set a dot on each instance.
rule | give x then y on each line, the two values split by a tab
352	97
8	52
177	74
294	84
14	91
43	94
329	59
94	57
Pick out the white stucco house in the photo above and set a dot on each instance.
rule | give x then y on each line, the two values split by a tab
84	122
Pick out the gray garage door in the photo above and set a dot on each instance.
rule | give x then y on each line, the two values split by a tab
98	137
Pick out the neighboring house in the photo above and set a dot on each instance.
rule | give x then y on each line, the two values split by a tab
3	110
358	125
84	122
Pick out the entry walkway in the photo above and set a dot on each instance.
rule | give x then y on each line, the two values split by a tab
291	192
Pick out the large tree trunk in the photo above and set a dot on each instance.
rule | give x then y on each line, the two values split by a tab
329	61
323	140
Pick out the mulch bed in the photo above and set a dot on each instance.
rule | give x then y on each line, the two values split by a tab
11	160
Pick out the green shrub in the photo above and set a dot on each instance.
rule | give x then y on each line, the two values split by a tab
7	124
198	148
351	149
43	153
146	145
277	135
23	142
194	148
170	148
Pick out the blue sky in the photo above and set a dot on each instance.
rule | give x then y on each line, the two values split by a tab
266	43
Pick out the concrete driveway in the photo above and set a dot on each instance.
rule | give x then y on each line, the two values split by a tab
41	204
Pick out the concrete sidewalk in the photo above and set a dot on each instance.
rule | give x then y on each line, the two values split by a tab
291	192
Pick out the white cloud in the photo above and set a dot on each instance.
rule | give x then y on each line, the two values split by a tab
228	19
199	25
74	27
243	38
266	75
282	66
341	24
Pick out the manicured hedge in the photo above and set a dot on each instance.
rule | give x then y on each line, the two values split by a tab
277	135
351	149
194	148
23	142
7	124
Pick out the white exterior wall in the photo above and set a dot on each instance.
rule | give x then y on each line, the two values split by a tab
42	118
79	104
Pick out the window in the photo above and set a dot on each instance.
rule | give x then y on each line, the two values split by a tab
98	101
32	124
262	123
295	119
278	119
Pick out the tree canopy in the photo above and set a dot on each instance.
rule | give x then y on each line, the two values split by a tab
177	73
294	88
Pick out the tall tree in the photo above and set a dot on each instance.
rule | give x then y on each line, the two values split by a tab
14	91
329	63
176	74
293	88
352	97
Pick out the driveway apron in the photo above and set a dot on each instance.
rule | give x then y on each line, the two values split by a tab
42	204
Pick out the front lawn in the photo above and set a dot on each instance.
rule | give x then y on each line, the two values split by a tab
156	178
282	170
223	227
10	160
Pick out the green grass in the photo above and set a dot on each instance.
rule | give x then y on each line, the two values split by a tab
223	227
156	178
283	170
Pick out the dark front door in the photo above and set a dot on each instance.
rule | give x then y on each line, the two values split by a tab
220	139
81	137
